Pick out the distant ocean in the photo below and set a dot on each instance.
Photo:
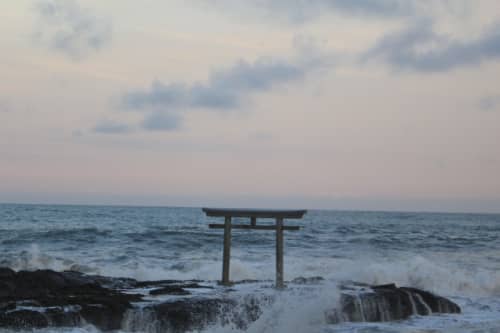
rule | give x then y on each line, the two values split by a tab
454	255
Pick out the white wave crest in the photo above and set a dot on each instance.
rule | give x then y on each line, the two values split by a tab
433	274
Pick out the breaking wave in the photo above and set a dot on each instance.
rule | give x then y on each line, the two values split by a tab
412	271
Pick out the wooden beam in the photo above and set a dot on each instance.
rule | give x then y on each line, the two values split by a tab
257	213
253	221
254	227
227	251
279	253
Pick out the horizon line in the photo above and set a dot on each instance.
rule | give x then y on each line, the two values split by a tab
193	206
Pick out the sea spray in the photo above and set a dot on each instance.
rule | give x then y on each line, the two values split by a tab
295	310
420	272
181	315
428	273
34	258
141	320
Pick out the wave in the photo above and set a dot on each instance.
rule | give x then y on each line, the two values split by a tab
302	310
435	274
420	272
33	259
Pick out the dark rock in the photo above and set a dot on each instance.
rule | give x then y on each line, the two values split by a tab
60	317
437	304
384	286
97	305
196	313
185	284
388	303
245	281
309	280
193	285
170	287
7	306
187	315
46	298
169	290
23	319
6	289
6	273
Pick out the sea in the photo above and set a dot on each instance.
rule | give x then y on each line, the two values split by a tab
453	255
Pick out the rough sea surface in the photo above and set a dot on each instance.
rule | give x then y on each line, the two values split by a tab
453	255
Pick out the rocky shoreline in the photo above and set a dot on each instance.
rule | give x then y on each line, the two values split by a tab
45	298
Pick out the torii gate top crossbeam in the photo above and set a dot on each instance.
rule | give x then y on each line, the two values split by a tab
256	213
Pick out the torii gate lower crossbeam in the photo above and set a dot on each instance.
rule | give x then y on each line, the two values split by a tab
253	214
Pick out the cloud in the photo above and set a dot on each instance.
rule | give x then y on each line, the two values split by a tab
161	121
110	127
489	103
225	89
300	11
66	27
420	48
385	8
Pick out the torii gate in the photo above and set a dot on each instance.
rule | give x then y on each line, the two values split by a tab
253	214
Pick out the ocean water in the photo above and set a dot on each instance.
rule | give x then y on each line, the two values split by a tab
453	255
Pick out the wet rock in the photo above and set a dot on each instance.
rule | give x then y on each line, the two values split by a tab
170	290
64	317
23	319
194	284
145	284
389	303
187	315
7	306
308	280
437	304
196	313
46	298
51	293
6	273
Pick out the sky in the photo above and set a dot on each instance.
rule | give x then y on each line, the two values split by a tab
334	104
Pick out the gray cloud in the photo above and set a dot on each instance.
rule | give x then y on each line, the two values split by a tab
489	103
384	8
68	28
419	48
161	121
223	90
300	11
227	89
110	127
